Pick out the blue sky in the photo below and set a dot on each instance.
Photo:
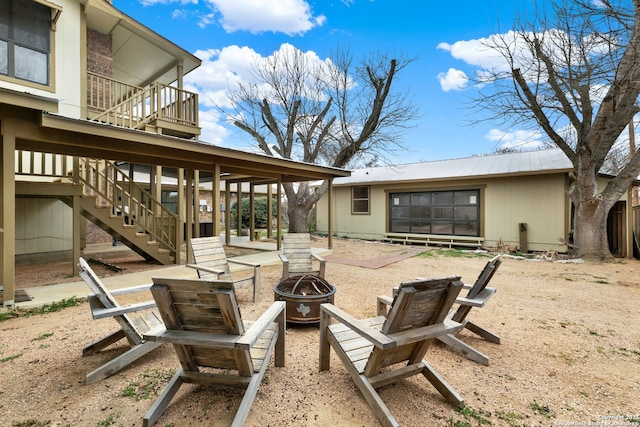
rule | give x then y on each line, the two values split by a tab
229	34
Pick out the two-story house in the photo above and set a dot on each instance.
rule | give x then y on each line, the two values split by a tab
85	88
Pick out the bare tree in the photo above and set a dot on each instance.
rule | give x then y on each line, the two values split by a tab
574	74
322	112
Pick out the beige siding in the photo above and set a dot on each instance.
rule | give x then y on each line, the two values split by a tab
540	201
43	225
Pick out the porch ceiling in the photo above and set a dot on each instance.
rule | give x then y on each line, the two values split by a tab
140	56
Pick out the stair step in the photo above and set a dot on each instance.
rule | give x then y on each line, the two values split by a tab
153	243
129	226
164	251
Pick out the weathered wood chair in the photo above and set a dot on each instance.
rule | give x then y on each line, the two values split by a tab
103	305
297	257
212	263
203	322
479	293
417	315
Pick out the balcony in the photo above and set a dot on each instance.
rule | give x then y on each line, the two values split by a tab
158	108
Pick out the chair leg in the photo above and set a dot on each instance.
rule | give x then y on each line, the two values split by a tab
479	330
372	397
117	363
442	386
324	353
465	349
256	283
96	346
163	400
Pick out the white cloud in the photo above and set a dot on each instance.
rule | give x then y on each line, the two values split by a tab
212	131
519	139
154	2
475	52
257	16
221	70
453	80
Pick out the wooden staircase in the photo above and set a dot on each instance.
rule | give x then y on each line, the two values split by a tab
119	226
108	197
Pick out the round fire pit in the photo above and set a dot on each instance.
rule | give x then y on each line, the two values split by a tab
303	295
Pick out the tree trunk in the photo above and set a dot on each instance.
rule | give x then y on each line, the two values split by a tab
300	202
298	219
590	222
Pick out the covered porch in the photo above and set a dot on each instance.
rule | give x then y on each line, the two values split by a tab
31	130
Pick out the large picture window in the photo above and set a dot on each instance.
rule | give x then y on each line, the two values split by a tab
360	200
25	47
455	213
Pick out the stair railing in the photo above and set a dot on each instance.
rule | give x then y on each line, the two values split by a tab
114	189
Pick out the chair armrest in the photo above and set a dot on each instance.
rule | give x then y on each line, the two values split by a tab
479	300
427	332
317	257
101	313
283	258
201	339
256	330
247	263
384	301
376	337
206	269
131	289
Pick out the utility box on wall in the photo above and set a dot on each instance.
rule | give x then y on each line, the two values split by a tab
523	237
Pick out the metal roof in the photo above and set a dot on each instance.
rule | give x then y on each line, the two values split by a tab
520	163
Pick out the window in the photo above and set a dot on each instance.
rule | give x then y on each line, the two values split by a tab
25	32
360	200
454	213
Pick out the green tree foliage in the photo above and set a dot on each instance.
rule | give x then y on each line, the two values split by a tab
260	210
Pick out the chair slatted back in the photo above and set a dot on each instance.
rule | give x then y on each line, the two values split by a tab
417	303
102	298
480	284
209	252
203	306
297	248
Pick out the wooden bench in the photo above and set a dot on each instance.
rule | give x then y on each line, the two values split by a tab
434	239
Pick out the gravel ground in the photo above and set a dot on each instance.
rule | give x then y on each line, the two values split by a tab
570	355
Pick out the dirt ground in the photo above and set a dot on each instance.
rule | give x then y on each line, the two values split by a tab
570	355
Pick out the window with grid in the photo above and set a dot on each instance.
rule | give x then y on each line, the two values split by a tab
25	32
360	200
455	213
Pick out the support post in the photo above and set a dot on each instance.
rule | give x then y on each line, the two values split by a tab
227	212
329	217
215	200
8	217
252	211
188	209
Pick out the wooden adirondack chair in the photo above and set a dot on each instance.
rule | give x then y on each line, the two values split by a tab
417	315
212	263
103	304
297	258
479	293
203	322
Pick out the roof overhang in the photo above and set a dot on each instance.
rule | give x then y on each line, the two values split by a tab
91	139
27	100
140	55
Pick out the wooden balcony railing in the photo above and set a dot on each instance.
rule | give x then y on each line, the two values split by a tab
159	105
